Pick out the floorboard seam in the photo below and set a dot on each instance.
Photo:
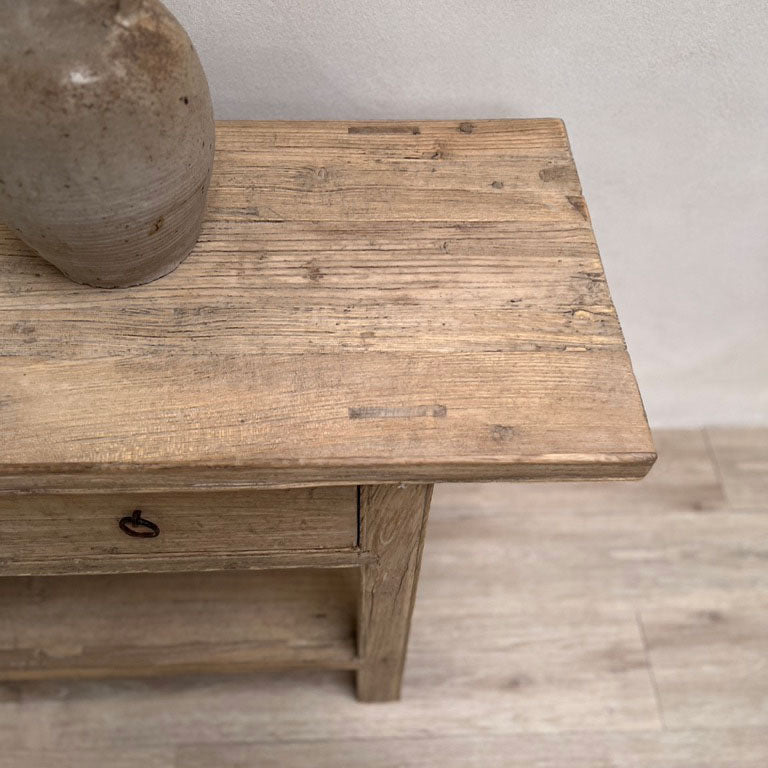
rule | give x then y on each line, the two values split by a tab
712	453
651	672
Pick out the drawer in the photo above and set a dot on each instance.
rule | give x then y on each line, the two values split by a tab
58	534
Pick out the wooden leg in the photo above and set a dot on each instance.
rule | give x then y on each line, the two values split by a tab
393	522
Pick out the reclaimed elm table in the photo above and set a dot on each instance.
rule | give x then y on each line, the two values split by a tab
372	308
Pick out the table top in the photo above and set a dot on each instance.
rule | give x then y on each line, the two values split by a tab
368	302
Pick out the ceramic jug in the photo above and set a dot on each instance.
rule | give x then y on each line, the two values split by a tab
106	136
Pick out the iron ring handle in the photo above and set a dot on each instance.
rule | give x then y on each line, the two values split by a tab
131	523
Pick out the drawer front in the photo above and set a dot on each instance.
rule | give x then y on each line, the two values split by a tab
42	534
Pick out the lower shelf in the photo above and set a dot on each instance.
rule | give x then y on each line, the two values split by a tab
146	624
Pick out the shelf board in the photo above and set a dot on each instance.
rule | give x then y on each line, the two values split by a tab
151	624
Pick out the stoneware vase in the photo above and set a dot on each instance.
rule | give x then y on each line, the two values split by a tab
106	136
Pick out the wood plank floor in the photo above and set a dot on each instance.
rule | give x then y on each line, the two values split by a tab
593	625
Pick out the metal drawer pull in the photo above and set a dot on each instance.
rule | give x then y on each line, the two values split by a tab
137	521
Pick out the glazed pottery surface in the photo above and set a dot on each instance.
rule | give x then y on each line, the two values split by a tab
106	136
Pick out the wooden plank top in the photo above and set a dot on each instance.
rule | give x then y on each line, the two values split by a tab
368	302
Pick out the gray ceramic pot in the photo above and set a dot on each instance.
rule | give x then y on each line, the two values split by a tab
106	136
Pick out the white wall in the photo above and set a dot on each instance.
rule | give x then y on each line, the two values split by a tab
666	103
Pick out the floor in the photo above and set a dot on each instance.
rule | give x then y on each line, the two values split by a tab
593	625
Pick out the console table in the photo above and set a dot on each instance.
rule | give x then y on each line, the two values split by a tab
231	468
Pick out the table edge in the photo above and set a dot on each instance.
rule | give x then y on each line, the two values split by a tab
107	478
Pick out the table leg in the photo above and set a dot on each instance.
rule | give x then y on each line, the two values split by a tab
393	521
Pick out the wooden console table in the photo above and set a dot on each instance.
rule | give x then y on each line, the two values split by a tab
372	308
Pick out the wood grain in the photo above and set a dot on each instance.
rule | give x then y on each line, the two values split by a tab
393	522
583	551
398	270
125	757
742	748
150	624
69	534
709	656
